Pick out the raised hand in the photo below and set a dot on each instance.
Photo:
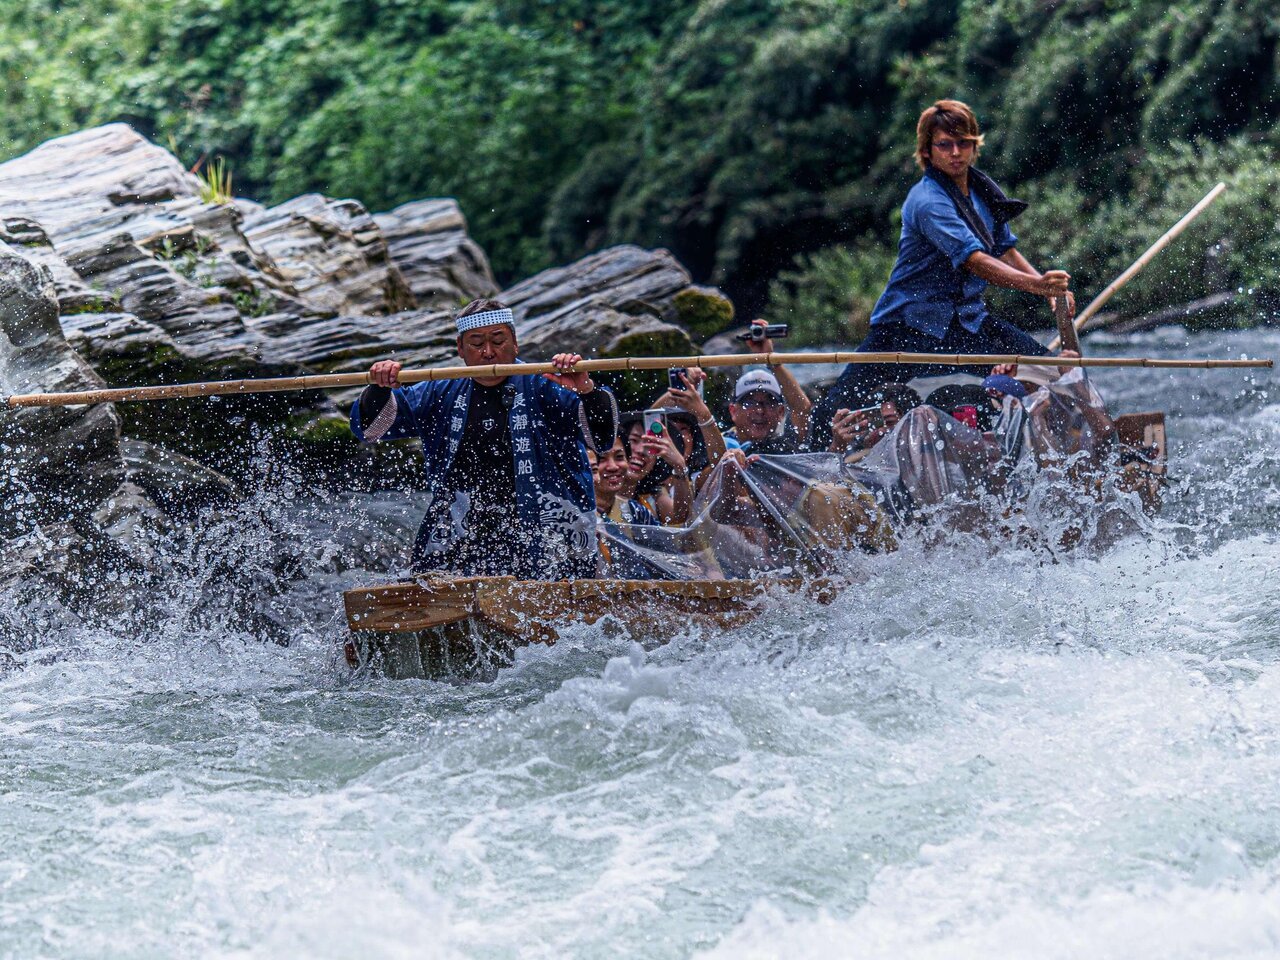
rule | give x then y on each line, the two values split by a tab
686	397
844	428
567	377
662	447
760	346
385	373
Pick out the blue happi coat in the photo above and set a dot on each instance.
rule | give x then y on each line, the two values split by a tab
554	492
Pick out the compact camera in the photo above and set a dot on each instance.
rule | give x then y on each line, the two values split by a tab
771	331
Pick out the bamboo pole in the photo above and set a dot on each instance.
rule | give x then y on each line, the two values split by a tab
1088	312
331	381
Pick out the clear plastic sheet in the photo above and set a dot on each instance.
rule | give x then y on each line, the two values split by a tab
773	515
788	515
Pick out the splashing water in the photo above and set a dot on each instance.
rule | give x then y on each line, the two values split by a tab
976	753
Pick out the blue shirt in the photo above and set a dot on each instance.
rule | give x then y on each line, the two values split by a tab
929	287
554	492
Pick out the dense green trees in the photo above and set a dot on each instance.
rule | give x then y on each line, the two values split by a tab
746	135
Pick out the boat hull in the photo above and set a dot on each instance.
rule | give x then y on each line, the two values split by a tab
466	627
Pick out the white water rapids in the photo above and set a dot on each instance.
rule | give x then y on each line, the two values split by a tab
978	754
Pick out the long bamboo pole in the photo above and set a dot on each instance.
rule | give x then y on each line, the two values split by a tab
1109	291
332	381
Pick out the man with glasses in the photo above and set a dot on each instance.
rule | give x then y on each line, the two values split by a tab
757	411
955	240
508	487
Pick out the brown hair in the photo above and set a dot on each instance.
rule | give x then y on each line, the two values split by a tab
949	116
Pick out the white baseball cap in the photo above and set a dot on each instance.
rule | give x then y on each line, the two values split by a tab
756	380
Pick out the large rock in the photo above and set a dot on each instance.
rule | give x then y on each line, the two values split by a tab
59	461
351	343
66	464
620	300
332	252
442	265
617	301
128	223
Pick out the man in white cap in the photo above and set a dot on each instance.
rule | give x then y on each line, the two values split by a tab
757	411
761	399
508	485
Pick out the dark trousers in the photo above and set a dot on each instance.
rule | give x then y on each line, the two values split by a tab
860	383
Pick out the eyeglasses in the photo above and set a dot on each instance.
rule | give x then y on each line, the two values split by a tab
769	404
953	146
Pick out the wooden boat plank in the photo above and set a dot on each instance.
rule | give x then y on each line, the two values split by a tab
404	607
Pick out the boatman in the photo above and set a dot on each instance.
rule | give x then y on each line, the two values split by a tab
509	488
955	240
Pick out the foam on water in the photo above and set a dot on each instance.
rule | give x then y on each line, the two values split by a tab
976	753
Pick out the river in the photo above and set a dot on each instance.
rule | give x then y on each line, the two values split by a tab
980	753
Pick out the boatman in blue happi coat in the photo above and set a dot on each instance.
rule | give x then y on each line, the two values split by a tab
509	488
955	240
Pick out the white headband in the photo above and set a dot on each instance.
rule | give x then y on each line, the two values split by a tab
488	318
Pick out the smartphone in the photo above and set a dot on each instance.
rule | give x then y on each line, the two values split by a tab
874	418
654	422
674	381
773	331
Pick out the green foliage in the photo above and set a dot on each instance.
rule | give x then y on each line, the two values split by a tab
744	135
827	296
703	312
215	181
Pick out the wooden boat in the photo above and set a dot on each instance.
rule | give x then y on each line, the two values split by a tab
467	626
1145	460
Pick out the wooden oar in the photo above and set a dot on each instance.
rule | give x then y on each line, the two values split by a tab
1066	329
332	381
1088	312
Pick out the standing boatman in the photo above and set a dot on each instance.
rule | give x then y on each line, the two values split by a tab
955	240
509	489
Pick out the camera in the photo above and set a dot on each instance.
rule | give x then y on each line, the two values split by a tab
772	331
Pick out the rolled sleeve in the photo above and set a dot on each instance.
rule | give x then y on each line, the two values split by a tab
382	414
598	414
1005	239
940	224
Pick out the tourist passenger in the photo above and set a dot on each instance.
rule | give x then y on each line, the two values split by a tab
659	473
609	472
854	430
617	555
955	240
757	412
798	403
508	486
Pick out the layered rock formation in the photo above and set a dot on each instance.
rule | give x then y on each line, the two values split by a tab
442	265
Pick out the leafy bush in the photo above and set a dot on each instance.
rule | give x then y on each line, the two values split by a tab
828	296
745	135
